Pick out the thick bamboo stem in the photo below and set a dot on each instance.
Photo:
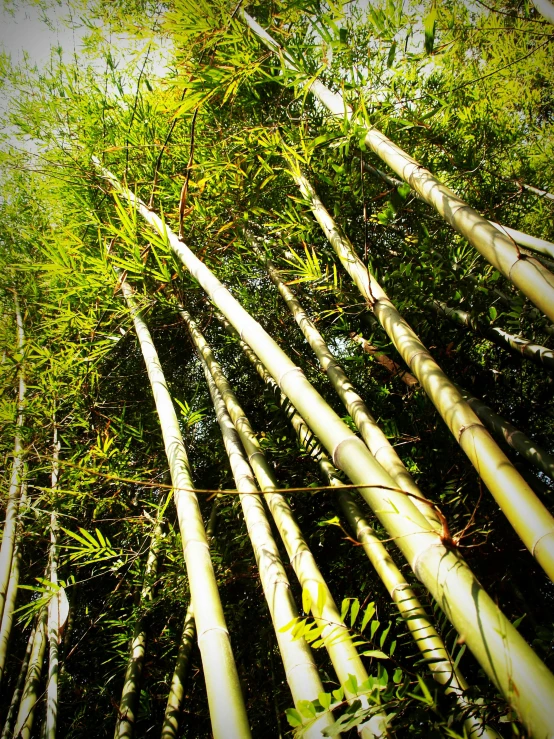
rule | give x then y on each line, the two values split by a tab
545	8
11	596
519	441
226	704
300	669
424	633
335	634
53	607
528	516
14	493
538	354
376	441
511	664
7	731
530	242
30	696
494	245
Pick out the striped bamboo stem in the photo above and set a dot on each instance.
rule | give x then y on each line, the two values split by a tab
170	727
335	634
538	354
420	626
376	441
512	665
300	669
530	242
493	244
31	689
226	704
527	515
14	493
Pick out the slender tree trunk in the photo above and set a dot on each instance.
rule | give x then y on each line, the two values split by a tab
11	596
10	525
227	710
130	695
300	669
53	608
7	731
170	728
540	355
31	695
508	660
495	246
528	516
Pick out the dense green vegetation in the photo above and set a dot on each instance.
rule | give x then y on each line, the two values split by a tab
211	129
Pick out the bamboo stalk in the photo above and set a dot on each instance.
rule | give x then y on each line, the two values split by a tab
176	696
519	441
130	694
226	704
14	493
170	727
30	696
375	439
335	634
495	643
494	245
530	242
300	669
540	355
527	515
11	596
538	191
545	8
7	731
53	606
424	633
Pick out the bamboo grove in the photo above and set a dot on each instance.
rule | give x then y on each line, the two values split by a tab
277	293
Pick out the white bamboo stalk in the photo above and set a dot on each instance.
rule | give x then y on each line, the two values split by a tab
494	245
226	704
300	669
14	493
31	695
505	656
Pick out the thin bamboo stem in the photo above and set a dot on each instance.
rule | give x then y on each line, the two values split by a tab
424	633
53	606
545	8
7	731
494	245
130	694
335	633
30	696
376	441
511	664
226	704
527	515
14	493
538	354
300	669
